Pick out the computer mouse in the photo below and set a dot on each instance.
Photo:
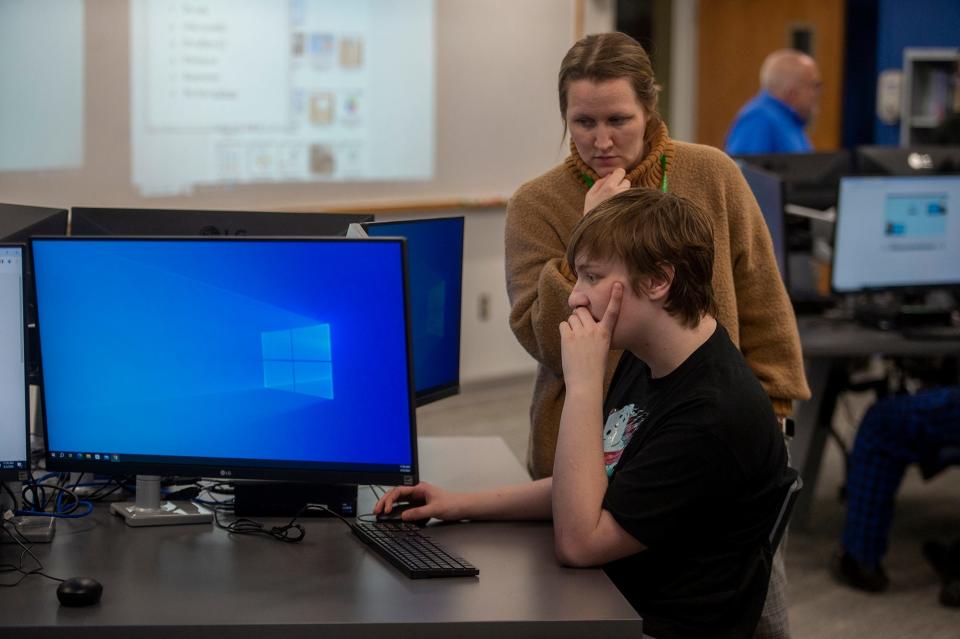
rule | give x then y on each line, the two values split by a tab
400	507
79	591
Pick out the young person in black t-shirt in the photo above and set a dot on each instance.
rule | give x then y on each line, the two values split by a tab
671	483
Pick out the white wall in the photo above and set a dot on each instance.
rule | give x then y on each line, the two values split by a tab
683	70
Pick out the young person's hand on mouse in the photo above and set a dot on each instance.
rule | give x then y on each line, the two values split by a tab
519	502
432	502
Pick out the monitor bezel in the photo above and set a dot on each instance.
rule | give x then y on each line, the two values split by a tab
867	154
894	288
39	221
442	391
745	168
15	474
225	470
220	223
810	179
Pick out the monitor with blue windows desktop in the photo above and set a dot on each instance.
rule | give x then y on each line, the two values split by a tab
14	398
280	359
768	190
435	255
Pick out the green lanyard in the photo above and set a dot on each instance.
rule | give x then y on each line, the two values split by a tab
663	178
589	181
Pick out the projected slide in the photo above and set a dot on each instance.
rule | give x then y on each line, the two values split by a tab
41	84
228	92
897	231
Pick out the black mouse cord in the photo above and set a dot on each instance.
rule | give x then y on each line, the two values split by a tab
291	532
7	568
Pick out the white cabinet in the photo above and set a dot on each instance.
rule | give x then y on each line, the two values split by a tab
930	77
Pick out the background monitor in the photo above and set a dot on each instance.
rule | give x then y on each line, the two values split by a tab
888	160
106	221
14	397
227	357
897	232
811	179
768	189
18	223
435	264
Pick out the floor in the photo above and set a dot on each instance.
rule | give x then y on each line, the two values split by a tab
819	607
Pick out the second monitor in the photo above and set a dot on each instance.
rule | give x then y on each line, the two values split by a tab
435	255
897	233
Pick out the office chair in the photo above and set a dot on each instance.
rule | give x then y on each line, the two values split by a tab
791	486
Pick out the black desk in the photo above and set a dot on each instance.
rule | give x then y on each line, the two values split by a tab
826	344
195	581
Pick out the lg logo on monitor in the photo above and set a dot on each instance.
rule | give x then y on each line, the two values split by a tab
212	230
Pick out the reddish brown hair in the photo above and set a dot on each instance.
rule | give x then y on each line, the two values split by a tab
609	56
647	230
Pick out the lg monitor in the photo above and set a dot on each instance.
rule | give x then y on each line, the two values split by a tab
435	254
810	179
14	397
18	223
155	222
898	232
283	359
768	190
888	160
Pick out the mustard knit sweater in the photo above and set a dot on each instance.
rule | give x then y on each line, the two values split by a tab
752	303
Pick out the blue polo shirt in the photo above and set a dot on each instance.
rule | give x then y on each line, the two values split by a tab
767	125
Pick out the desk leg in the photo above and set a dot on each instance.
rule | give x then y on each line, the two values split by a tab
826	377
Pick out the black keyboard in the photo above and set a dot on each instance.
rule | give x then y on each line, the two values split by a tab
412	553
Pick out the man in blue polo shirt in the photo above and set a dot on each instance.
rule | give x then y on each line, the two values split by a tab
774	119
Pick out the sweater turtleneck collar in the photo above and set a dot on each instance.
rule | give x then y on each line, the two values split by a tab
647	174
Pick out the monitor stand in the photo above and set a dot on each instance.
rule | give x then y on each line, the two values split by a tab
148	510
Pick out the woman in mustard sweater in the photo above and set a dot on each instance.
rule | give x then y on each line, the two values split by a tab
608	103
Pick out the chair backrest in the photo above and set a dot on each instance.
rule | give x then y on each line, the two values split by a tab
790	486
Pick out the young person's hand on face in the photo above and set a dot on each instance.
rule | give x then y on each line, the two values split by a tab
605	188
585	342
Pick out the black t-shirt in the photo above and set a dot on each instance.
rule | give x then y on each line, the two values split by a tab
694	460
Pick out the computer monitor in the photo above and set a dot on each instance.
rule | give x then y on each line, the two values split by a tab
810	179
889	160
18	223
768	190
897	232
283	359
14	397
169	222
435	254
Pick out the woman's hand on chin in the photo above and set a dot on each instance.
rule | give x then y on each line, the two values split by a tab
605	188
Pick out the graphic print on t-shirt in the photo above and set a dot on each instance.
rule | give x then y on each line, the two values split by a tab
617	431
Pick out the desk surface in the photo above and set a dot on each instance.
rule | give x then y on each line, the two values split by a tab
823	337
827	343
190	581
